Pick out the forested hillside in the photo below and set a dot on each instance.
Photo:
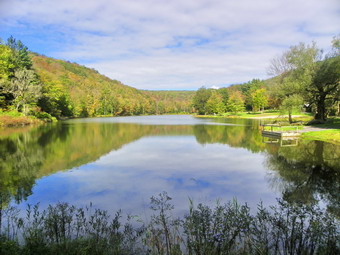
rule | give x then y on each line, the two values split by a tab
70	89
172	101
37	85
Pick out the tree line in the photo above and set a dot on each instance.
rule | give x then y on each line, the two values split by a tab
250	96
304	78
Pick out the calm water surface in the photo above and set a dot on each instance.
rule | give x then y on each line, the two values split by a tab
119	163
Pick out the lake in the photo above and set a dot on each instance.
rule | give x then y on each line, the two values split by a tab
120	162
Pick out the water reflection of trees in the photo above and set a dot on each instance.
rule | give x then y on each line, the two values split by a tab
303	173
26	156
234	136
307	173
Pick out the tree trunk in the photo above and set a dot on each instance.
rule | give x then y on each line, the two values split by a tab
290	117
320	108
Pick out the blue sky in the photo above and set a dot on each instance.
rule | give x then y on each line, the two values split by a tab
170	44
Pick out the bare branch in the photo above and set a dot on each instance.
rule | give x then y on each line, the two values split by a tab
279	65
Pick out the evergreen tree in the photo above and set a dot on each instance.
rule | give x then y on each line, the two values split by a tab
21	58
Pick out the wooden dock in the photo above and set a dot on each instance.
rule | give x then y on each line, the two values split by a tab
280	132
273	134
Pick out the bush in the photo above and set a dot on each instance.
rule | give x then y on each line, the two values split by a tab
44	116
12	113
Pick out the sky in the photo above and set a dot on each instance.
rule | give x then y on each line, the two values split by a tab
170	44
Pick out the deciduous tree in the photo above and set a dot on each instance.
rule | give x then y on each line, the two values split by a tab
235	102
297	68
215	104
259	99
25	88
200	100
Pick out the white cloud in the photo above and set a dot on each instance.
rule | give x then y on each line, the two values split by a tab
176	44
115	181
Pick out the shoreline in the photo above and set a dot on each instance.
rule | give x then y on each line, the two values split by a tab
251	116
328	132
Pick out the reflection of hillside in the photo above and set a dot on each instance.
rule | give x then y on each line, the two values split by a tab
30	154
44	150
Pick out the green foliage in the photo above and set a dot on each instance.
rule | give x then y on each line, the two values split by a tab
20	58
209	101
335	47
15	74
291	103
43	116
248	89
200	100
303	74
325	89
55	100
172	101
302	57
215	104
224	94
235	102
12	113
73	90
24	88
259	99
6	63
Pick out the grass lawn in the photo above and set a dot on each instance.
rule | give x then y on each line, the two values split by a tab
331	132
333	122
282	128
332	135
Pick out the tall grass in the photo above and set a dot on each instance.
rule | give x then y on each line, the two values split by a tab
228	228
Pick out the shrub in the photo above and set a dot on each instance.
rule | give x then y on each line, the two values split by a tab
225	229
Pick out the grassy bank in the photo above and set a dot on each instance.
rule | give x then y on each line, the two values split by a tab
16	119
12	121
325	135
225	229
275	115
328	132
